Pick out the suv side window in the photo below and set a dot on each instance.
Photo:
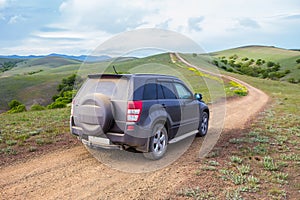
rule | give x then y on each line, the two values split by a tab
182	91
168	90
150	91
160	94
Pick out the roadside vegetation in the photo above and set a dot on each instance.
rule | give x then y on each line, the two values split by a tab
260	162
28	133
66	92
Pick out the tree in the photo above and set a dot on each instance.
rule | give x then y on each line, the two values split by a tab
270	64
66	92
68	83
234	57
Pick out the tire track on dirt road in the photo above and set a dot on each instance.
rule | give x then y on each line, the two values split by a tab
75	174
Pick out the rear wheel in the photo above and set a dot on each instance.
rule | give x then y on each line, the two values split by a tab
158	143
203	126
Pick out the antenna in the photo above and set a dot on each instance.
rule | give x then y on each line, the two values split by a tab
115	70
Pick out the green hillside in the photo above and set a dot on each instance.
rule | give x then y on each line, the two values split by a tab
49	61
286	58
36	81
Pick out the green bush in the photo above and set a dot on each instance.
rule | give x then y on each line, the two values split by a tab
215	62
292	80
270	64
57	104
37	107
298	60
18	109
238	88
13	104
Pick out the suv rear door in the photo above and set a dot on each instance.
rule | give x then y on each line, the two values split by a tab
167	98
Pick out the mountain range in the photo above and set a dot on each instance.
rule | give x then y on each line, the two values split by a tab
79	58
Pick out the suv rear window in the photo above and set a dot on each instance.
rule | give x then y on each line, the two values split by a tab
115	88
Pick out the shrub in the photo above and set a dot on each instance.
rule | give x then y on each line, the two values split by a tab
238	88
259	62
270	64
18	109
298	60
215	62
13	104
292	80
224	61
230	70
57	104
234	57
37	107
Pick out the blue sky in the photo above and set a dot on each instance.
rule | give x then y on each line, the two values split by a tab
77	27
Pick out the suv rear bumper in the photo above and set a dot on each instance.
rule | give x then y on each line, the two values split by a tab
114	140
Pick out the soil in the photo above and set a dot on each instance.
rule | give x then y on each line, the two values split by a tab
74	173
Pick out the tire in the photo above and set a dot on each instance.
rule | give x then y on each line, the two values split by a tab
95	114
203	126
158	143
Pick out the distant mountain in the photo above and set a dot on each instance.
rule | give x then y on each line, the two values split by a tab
79	58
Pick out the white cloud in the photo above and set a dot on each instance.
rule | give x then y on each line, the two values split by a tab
15	19
214	24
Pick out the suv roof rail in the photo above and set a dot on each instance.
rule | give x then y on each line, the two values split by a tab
128	75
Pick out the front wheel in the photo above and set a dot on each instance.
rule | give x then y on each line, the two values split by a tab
203	126
158	143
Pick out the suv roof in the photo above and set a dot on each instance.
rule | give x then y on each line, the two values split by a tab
130	75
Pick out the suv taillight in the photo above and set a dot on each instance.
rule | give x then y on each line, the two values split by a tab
134	111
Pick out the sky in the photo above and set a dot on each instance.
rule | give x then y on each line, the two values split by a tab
77	27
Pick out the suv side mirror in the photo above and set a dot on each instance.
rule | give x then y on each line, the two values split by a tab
198	96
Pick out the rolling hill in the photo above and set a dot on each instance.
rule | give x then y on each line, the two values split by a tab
35	80
286	58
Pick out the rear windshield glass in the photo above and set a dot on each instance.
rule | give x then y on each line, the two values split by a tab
114	88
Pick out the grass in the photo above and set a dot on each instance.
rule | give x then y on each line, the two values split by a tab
196	193
269	164
19	84
236	159
31	131
286	58
262	161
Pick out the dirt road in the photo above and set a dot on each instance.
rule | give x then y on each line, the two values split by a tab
75	174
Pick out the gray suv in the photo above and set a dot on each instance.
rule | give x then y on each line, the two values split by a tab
137	112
